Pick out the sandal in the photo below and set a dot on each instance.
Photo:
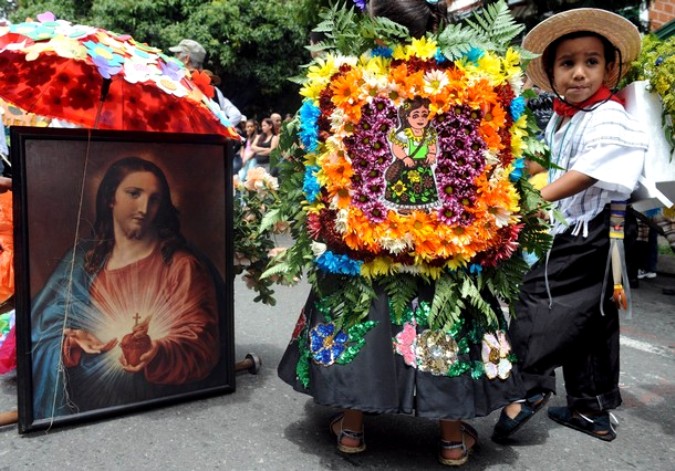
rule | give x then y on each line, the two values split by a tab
598	426
466	429
346	433
506	426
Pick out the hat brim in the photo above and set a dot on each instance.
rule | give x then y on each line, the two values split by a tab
176	49
623	34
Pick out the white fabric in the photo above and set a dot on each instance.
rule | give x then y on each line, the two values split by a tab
4	150
232	113
606	144
657	182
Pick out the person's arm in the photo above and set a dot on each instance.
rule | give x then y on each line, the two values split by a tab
5	184
533	168
265	151
569	184
232	112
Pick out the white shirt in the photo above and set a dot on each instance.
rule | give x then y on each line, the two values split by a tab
606	144
232	113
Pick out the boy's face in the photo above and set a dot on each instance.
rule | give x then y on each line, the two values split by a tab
579	68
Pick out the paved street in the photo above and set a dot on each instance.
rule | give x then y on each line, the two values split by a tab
265	425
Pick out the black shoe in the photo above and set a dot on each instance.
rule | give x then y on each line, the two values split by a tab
506	426
598	426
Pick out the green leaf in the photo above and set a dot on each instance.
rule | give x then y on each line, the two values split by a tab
496	26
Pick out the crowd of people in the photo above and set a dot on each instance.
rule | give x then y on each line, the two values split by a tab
258	137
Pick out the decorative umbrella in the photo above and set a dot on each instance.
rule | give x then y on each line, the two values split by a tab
100	79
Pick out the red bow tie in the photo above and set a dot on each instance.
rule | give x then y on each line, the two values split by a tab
567	110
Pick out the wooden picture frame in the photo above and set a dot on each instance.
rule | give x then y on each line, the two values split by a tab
124	298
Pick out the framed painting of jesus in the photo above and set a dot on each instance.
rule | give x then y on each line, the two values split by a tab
124	296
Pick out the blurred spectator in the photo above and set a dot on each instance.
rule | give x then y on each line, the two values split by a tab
192	54
248	155
276	121
647	248
266	142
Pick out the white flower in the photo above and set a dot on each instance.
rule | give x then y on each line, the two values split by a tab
393	245
491	157
502	216
435	81
341	221
318	248
495	350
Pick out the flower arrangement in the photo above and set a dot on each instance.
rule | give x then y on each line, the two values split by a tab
405	160
254	244
656	64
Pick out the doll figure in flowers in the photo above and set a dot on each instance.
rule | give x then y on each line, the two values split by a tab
567	311
414	145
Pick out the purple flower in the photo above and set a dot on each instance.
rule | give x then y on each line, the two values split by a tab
360	4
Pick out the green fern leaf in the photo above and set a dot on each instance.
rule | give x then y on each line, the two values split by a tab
446	306
401	289
455	41
496	25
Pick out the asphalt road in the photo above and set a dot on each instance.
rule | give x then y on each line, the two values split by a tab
265	425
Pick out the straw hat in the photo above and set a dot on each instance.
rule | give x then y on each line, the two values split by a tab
618	30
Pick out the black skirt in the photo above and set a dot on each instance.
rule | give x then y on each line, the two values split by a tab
401	366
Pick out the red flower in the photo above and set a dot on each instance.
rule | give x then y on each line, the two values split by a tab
203	82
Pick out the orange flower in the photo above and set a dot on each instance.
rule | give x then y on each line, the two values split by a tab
203	82
346	88
481	95
360	234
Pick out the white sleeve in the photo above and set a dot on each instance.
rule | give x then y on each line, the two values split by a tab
617	168
4	150
612	149
231	112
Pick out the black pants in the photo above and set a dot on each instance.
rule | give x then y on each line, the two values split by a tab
571	332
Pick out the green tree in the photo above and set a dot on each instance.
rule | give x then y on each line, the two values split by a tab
253	45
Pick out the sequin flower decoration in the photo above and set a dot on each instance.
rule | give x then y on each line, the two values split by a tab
495	351
405	344
436	352
326	344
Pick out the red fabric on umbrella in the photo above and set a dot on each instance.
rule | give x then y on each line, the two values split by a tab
57	69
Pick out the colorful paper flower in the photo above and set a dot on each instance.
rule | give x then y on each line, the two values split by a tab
107	62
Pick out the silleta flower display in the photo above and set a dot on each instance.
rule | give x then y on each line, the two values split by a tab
410	158
405	164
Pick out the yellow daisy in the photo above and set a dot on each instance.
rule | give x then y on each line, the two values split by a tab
422	48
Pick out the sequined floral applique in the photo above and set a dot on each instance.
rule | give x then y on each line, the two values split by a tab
299	326
436	352
325	344
495	352
405	344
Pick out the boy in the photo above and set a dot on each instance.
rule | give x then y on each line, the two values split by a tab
565	315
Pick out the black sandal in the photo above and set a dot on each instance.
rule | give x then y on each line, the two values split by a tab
506	426
598	426
466	429
346	433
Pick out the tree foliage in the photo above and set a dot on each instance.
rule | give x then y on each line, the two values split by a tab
253	45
